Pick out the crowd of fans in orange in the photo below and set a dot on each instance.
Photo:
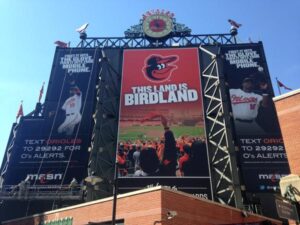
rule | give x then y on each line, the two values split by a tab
185	156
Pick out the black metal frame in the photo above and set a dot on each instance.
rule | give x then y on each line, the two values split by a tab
225	180
143	42
225	177
104	124
104	138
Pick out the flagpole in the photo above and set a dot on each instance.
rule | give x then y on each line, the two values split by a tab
278	86
41	93
20	111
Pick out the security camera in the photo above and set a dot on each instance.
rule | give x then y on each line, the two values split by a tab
171	214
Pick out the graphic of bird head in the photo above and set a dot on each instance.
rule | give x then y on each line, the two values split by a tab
159	68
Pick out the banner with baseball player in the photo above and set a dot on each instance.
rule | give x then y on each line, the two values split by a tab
161	137
255	122
53	149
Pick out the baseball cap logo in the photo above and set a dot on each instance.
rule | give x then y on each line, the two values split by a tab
159	68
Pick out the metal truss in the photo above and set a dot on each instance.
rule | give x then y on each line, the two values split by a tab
104	137
8	152
143	42
221	150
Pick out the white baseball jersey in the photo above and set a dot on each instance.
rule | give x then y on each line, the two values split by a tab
72	104
72	108
244	105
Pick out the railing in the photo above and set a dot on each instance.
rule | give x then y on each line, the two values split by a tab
41	192
254	208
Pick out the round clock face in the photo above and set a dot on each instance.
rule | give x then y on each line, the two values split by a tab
157	26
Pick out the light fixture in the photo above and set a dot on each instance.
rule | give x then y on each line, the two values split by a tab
171	214
233	31
81	30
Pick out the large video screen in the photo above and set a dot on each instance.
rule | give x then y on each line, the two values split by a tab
53	148
161	139
255	124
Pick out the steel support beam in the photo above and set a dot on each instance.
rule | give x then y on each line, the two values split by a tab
227	189
143	42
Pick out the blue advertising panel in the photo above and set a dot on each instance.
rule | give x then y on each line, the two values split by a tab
53	149
255	124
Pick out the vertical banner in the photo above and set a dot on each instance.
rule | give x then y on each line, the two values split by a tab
161	137
262	154
53	149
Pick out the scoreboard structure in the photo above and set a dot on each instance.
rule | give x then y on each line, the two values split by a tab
190	112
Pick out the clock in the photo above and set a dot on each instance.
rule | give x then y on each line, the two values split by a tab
157	25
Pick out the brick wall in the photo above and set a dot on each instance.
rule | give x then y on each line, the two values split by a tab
149	207
136	209
191	211
288	111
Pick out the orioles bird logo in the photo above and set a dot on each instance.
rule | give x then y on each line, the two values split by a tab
159	68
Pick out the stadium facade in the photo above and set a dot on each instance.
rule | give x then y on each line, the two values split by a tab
190	112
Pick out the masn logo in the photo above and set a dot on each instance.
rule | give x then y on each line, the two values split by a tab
43	178
271	177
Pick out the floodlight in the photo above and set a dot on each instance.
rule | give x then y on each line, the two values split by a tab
82	28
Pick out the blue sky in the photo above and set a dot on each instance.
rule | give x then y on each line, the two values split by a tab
29	28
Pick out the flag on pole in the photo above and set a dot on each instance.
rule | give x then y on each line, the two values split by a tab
20	111
280	84
41	92
61	44
235	24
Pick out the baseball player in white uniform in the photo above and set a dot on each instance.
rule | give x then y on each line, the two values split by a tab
72	108
245	104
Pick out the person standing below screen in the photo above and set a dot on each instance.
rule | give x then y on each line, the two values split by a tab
196	165
169	161
169	153
136	158
149	163
72	107
184	158
245	105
